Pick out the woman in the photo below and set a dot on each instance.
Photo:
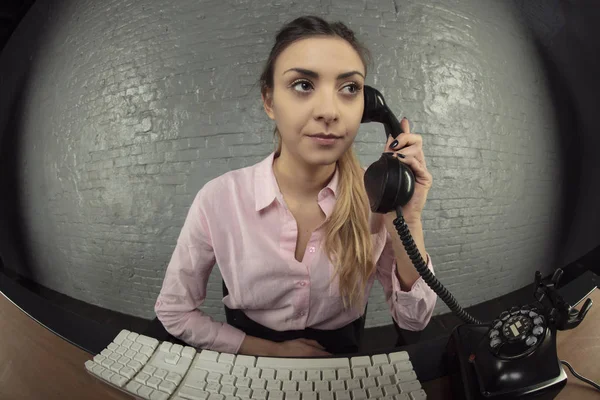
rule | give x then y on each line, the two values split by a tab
293	235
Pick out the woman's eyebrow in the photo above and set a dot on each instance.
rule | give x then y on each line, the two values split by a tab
315	75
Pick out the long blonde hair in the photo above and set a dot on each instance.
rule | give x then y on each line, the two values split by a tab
347	238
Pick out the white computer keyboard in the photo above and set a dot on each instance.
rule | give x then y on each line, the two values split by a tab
145	368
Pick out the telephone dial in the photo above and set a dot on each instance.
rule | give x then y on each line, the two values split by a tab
514	355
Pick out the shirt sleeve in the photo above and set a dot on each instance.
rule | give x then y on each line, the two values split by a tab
184	287
411	310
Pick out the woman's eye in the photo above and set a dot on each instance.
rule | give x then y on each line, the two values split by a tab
307	84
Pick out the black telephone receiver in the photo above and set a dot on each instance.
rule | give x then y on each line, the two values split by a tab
512	357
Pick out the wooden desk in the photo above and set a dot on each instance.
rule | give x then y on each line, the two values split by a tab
580	347
37	364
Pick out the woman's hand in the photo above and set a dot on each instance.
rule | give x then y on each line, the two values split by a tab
411	146
300	348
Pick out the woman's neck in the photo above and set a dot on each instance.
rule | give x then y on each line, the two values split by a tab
299	180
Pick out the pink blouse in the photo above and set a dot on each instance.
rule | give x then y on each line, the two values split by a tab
240	221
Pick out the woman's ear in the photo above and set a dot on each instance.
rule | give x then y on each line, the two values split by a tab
267	98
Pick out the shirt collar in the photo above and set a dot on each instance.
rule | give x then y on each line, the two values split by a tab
266	188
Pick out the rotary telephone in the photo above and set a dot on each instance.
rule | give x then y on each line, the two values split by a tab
513	356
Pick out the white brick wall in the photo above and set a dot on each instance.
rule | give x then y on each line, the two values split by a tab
132	106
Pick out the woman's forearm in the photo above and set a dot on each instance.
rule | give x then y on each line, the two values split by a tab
255	346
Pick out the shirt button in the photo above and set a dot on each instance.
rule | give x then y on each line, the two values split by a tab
302	283
311	249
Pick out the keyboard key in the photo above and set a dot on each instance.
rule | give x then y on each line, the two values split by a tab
326	396
172	358
329	375
267	373
193	394
368	383
98	358
107	374
161	373
321	386
352	384
298	375
402	366
292	395
158	395
213	366
359	394
373	371
106	352
144	392
146	350
227	379
132	336
226	358
283	374
124	360
173	377
305	386
359	373
418	395
141	358
133	386
121	336
253	373
130	353
388	370
313	375
212	387
116	367
228	390
239	370
165	346
363	361
167	386
275	395
380	359
309	395
390	390
398	356
410	386
149	369
121	350
227	398
290	386
300	363
243	382
107	363
344	373
148	341
188	352
375	393
177	348
273	384
114	356
136	365
208	355
402	396
127	343
384	380
244	392
153	382
213	377
342	395
246	361
337	385
136	347
258	383
142	378
406	376
127	372
196	378
112	346
259	394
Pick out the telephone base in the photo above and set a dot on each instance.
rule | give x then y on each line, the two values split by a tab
465	340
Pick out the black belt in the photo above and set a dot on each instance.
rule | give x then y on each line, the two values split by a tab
342	340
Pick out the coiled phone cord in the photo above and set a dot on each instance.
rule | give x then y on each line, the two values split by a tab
428	277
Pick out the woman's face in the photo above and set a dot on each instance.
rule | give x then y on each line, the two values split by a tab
305	104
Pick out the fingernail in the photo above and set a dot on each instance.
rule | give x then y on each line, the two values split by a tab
403	118
401	155
394	144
